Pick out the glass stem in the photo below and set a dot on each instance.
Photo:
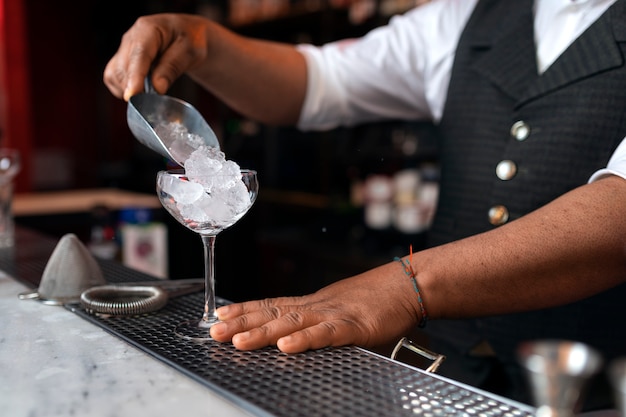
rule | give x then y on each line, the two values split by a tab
209	315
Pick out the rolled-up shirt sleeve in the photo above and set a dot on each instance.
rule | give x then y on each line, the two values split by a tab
399	71
615	166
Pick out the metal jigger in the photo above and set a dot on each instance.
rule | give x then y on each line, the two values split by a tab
558	372
617	373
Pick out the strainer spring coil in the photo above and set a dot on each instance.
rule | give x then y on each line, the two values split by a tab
119	300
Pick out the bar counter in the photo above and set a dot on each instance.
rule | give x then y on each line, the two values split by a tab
54	363
63	361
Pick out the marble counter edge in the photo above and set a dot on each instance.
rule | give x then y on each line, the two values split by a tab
54	363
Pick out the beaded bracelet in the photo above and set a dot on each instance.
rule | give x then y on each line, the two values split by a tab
408	270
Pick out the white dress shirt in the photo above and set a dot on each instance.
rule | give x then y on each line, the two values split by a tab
402	70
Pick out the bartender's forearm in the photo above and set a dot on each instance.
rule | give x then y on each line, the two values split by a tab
570	249
263	80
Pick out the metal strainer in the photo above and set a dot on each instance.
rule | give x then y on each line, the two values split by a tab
118	300
70	270
135	298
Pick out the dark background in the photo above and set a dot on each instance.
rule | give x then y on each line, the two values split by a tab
303	231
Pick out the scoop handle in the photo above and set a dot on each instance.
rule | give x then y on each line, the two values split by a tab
147	85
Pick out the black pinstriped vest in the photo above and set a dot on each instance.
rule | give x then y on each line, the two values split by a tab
576	112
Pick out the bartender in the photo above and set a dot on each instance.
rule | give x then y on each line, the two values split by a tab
529	238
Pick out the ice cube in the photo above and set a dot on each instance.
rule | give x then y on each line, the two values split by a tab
198	167
217	210
171	130
182	143
224	197
195	141
182	191
180	150
238	197
195	212
231	168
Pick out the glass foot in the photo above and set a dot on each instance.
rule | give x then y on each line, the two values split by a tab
195	330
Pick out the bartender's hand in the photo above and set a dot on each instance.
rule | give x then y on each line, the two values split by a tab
170	43
262	80
367	310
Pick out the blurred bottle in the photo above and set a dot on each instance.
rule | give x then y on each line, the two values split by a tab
102	240
144	242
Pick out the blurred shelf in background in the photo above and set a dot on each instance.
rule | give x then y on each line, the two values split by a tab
77	201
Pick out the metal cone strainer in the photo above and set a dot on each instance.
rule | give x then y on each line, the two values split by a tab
70	270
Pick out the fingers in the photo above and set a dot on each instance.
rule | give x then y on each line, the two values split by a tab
332	333
231	311
124	74
291	332
237	319
164	46
291	327
180	55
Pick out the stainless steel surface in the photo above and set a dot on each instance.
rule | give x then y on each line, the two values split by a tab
148	110
345	381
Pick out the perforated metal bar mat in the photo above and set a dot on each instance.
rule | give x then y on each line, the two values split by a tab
336	382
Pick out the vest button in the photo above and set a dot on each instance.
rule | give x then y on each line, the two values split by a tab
520	130
498	215
505	170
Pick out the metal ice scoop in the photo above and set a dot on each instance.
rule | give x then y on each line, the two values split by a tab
150	112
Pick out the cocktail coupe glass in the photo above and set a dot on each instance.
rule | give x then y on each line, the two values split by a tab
206	215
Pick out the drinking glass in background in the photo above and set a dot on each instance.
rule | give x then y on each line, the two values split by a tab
10	165
617	372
